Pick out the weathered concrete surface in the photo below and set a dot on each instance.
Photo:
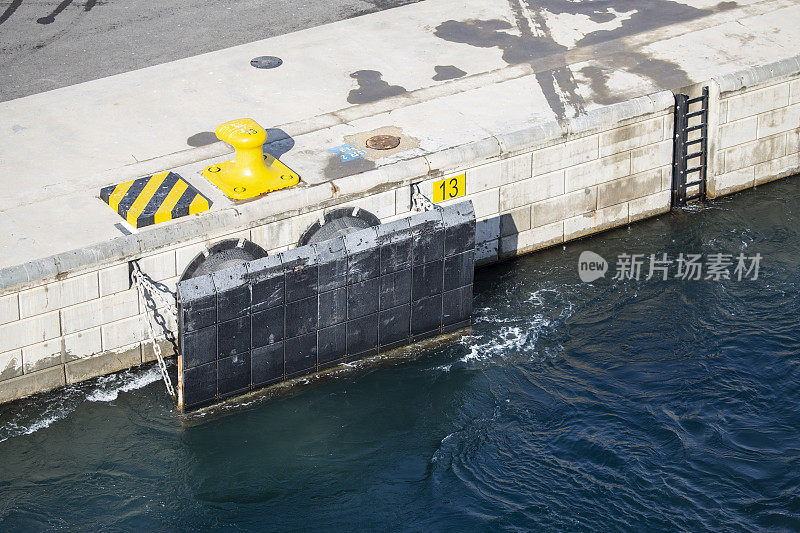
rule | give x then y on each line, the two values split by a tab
525	65
50	44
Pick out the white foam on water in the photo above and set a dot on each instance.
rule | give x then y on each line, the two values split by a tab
438	452
507	339
513	332
42	412
500	342
110	386
11	429
45	422
52	413
537	297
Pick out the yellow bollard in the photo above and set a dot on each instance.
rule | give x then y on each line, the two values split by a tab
252	172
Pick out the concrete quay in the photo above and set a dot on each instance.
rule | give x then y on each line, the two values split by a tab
559	115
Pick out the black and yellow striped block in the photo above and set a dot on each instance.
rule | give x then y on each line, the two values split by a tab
157	198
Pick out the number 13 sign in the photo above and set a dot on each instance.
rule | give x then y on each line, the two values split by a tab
449	188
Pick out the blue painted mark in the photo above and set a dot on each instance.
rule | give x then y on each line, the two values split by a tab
348	152
16	128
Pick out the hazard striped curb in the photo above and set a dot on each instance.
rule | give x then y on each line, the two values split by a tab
154	199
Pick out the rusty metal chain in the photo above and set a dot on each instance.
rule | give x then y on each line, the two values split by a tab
149	292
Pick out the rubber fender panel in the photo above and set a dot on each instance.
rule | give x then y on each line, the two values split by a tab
278	317
338	223
222	255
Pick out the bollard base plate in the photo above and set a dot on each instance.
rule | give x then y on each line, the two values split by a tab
236	185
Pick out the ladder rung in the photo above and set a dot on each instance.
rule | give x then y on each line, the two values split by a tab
693	169
692	197
701	139
695	100
696	113
695	128
692	183
696	154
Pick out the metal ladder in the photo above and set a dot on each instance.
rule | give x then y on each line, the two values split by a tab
682	173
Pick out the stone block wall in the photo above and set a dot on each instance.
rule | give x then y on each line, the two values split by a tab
758	127
70	330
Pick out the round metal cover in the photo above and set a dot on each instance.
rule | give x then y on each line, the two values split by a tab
266	62
383	142
222	255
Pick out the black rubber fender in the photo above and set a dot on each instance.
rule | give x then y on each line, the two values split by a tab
337	223
222	255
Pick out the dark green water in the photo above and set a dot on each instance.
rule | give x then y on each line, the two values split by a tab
617	405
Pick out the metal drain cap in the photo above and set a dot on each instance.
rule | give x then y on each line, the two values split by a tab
383	142
266	62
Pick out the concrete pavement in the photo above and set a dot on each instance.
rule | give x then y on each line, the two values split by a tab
49	44
445	72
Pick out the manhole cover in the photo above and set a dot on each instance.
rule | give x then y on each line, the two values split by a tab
383	142
266	62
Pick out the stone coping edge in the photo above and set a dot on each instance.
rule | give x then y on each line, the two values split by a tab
760	75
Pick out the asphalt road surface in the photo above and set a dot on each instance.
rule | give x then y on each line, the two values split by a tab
49	44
